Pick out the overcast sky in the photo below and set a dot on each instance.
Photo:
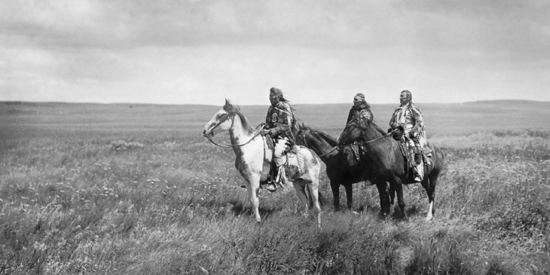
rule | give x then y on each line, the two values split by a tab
317	51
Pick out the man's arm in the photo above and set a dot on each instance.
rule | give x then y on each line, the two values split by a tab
350	116
419	120
284	120
393	122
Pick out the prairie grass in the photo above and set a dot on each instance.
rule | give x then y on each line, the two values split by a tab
114	189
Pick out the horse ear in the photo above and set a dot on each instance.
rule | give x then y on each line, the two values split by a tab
228	106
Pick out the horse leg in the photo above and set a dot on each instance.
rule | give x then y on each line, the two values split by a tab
392	193
314	197
335	186
349	195
299	186
398	187
429	185
253	189
384	198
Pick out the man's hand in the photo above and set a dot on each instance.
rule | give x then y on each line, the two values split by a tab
264	132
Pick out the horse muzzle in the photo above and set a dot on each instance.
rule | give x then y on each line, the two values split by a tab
207	133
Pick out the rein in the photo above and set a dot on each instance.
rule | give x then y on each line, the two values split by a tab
384	136
257	131
322	155
373	140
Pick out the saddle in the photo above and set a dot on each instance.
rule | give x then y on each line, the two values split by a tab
410	157
270	142
356	149
290	155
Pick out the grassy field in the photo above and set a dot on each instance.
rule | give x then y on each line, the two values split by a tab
136	189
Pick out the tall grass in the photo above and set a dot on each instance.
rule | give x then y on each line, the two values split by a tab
156	198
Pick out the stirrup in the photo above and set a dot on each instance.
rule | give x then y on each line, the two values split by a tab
270	186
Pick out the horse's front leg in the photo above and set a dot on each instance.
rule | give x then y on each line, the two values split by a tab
335	187
253	189
349	195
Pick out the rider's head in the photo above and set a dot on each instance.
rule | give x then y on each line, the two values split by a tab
358	99
405	97
275	96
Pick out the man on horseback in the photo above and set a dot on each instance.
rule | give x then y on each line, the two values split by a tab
360	109
408	118
279	122
360	112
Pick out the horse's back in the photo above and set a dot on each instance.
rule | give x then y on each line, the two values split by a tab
308	155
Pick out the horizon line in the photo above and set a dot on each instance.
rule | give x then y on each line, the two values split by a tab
252	105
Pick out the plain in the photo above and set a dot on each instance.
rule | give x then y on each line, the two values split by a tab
136	189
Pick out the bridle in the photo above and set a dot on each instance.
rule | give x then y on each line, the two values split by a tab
354	123
225	117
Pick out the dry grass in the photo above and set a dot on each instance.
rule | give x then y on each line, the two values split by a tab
109	189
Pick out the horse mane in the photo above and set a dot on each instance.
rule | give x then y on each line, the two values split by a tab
329	139
235	109
370	122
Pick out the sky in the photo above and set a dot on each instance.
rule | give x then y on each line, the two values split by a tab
315	51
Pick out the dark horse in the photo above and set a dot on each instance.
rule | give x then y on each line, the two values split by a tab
343	164
388	164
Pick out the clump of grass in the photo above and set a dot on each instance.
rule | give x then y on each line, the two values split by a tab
169	202
122	145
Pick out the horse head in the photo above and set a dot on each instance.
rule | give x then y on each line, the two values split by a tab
351	133
302	134
221	121
360	130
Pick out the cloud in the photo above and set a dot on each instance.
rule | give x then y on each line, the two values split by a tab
80	49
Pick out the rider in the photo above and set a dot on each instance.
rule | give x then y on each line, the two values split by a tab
360	109
409	116
279	121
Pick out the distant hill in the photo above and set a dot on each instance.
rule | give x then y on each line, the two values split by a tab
440	118
507	101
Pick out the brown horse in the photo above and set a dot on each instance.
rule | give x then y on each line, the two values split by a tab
388	164
344	166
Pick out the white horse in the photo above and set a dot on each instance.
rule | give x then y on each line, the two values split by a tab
253	158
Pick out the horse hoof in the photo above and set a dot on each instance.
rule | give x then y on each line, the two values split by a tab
354	213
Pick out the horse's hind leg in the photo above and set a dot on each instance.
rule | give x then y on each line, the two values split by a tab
300	188
396	185
429	185
310	200
314	197
430	182
392	193
384	198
